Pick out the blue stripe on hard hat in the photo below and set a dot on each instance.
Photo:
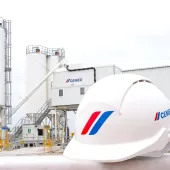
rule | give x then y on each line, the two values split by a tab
100	122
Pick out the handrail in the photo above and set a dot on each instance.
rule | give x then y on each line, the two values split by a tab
42	110
18	125
27	120
62	62
44	50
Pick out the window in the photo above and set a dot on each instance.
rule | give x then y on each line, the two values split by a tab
82	90
37	50
25	145
40	132
60	92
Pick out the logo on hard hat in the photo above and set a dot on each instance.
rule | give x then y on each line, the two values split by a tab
162	115
103	117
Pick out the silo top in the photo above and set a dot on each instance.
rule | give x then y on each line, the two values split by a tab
36	49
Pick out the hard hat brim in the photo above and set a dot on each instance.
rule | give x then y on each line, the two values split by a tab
116	152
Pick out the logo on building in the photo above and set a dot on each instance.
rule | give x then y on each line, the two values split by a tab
162	115
99	123
73	80
29	130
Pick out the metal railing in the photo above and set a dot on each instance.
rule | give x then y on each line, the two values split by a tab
56	51
18	127
37	119
47	51
42	113
36	49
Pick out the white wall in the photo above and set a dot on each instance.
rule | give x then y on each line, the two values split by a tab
159	76
35	72
71	89
2	66
51	62
33	135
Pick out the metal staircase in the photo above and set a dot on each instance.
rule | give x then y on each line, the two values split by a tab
18	127
37	119
42	113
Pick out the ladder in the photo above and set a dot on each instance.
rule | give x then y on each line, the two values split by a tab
42	113
8	78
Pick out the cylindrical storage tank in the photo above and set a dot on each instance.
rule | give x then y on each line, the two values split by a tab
53	58
35	72
2	64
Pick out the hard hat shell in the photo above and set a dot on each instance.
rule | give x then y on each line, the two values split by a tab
120	117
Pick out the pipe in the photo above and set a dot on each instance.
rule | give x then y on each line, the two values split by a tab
35	89
80	69
55	124
65	115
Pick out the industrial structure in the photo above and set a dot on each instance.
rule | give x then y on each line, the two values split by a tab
63	92
71	80
5	70
30	130
52	91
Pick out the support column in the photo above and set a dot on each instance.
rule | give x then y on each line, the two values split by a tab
2	115
55	124
65	123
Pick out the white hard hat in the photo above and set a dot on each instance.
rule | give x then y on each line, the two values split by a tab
120	117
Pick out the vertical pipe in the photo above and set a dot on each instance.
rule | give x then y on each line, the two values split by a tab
33	118
65	114
46	120
47	71
52	115
52	132
55	123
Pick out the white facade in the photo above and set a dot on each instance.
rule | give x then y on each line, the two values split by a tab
69	87
51	62
30	133
160	76
2	66
35	72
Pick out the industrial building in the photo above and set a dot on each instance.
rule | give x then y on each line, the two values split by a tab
68	87
158	75
72	80
51	94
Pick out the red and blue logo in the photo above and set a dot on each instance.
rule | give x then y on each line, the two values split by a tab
162	115
99	123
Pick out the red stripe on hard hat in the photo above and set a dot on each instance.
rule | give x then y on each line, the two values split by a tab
90	122
156	116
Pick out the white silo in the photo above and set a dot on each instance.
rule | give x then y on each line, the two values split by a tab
35	72
54	57
5	71
2	64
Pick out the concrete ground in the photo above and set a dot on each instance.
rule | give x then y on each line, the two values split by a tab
56	150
